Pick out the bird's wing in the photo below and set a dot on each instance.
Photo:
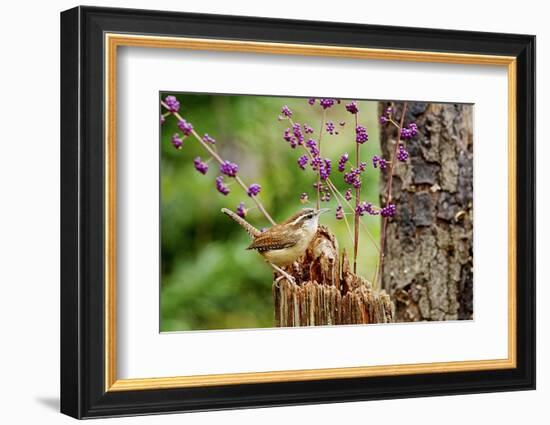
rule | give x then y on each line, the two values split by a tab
268	241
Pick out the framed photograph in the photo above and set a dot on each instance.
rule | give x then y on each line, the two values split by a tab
261	212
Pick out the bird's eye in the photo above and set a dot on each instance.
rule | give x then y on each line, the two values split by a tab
309	216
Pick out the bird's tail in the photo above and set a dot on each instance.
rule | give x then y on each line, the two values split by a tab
250	229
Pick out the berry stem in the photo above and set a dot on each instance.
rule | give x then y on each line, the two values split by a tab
336	193
215	155
346	202
394	123
319	168
379	269
357	201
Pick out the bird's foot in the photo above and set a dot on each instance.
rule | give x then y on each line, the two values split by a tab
286	276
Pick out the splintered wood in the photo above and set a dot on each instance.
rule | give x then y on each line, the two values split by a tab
326	292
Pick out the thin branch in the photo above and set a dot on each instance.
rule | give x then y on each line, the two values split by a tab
394	123
345	218
335	190
357	202
365	228
389	194
215	155
319	166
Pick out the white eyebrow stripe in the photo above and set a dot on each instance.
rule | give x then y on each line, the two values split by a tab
298	219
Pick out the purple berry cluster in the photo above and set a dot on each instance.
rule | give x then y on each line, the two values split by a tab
288	137
342	162
323	165
200	166
185	127
348	195
326	196
405	133
316	163
229	168
361	135
254	189
208	139
172	103
402	154
353	177
388	211
177	141
295	136
311	144
378	162
386	117
286	112
241	210
221	186
365	208
339	212
327	103
352	107
226	168
302	161
297	131
409	132
325	168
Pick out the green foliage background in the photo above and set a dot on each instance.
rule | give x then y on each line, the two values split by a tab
208	279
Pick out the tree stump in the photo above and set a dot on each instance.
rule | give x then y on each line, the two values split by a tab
326	292
428	266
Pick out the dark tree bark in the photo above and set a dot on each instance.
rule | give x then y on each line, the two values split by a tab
428	268
326	292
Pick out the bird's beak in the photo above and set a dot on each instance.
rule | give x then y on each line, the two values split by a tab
322	211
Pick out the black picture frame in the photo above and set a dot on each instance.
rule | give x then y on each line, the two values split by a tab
83	392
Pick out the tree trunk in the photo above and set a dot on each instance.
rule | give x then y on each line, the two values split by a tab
326	292
428	268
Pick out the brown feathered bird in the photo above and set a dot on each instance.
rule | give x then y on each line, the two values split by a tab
283	243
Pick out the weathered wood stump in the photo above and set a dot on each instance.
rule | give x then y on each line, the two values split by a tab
326	292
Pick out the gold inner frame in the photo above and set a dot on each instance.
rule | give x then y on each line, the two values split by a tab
113	41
